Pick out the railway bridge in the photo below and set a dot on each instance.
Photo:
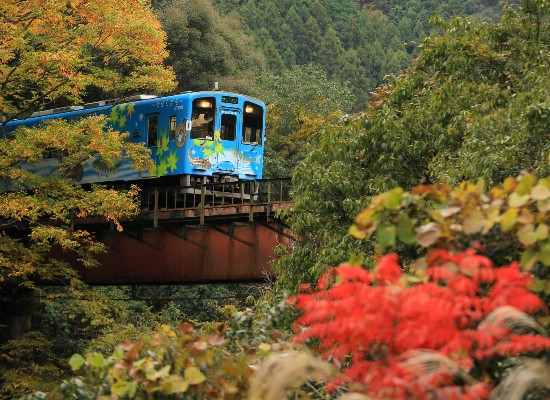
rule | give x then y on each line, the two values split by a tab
225	231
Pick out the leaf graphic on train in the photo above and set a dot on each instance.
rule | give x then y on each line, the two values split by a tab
113	116
163	142
122	121
172	161
208	152
131	109
153	170
218	149
162	168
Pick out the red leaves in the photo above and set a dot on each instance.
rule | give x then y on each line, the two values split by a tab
388	270
372	319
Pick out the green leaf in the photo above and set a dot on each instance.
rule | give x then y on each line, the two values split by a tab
528	259
544	253
120	388
97	360
536	285
76	362
132	389
386	234
405	229
392	199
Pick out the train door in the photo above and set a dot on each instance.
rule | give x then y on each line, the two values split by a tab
230	126
250	143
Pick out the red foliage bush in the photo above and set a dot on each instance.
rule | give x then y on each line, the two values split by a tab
372	324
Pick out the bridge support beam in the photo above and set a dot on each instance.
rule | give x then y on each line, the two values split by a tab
182	253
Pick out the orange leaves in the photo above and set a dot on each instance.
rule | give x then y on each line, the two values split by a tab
57	50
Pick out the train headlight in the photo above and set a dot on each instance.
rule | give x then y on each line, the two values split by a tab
205	104
249	109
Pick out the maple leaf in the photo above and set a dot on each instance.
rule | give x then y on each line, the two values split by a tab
208	152
218	149
172	161
162	168
131	107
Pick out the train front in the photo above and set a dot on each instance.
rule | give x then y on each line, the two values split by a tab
226	135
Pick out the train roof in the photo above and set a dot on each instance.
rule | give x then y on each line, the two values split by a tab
129	99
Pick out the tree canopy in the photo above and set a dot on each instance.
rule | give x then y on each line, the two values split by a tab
61	53
206	47
473	105
57	53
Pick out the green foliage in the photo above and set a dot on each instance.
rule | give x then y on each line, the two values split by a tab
473	105
300	101
29	364
358	42
206	47
179	364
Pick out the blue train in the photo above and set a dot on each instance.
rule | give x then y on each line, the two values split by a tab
194	137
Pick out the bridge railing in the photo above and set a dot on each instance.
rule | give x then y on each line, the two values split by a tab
201	200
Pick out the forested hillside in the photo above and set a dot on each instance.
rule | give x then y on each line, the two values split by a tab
359	42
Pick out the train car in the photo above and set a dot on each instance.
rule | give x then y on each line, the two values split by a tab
194	137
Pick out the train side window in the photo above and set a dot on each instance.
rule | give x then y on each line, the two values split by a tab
202	118
152	130
252	124
228	127
172	127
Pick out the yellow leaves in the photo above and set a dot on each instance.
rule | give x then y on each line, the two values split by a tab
509	219
449	218
541	191
174	384
58	42
518	200
473	222
194	376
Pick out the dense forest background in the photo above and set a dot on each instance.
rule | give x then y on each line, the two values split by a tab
355	43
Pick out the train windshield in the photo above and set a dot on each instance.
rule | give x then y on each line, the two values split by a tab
252	124
203	118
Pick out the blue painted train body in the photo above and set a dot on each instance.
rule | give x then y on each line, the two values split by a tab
194	137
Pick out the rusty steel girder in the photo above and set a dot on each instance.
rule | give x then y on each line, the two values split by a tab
219	250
